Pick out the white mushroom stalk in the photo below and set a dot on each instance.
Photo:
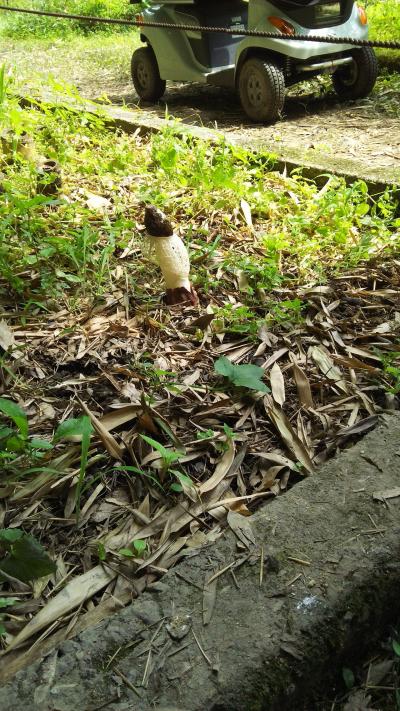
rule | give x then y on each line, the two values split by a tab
171	255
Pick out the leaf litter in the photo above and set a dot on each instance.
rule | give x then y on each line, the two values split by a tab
315	388
239	414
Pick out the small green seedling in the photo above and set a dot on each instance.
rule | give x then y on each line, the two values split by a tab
15	441
137	549
243	376
169	457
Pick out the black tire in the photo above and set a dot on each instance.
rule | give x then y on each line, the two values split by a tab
145	75
357	79
261	87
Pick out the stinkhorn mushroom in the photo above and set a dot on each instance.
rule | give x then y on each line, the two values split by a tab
171	255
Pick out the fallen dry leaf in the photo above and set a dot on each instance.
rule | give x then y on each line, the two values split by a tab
277	384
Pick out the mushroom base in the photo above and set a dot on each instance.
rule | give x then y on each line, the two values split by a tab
180	295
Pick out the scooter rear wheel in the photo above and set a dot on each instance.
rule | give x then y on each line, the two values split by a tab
261	87
357	80
145	74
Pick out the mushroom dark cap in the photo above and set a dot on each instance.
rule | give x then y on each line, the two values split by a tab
156	223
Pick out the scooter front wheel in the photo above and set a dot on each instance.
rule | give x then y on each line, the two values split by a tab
145	75
356	80
261	87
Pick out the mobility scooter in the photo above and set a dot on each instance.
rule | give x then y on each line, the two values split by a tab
258	68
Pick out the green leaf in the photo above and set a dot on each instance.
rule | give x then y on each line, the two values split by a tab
101	551
15	443
135	470
182	478
27	560
16	414
206	434
176	487
3	630
8	601
362	209
139	546
247	376
36	443
348	677
229	432
168	456
5	432
70	428
126	552
224	367
396	647
10	534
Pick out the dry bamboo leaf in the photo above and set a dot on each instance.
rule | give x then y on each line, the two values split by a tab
221	469
363	353
232	501
209	598
179	516
354	363
277	384
322	359
303	386
172	551
110	443
274	357
365	425
201	323
247	213
46	479
74	594
120	416
269	477
92	498
241	527
290	438
276	459
7	340
388	494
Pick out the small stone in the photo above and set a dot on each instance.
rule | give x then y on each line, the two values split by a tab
179	626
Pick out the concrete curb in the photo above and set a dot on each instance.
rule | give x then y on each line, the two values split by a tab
331	575
282	158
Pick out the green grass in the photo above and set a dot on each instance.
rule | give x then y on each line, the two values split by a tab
384	21
66	247
25	26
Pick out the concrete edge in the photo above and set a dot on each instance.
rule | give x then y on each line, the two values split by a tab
289	159
331	574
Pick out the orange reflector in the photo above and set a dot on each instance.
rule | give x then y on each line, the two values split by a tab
282	25
139	18
362	15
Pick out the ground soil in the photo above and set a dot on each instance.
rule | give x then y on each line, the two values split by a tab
361	137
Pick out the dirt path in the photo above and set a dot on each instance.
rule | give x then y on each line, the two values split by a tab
361	137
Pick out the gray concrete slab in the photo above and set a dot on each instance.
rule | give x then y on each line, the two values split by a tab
329	550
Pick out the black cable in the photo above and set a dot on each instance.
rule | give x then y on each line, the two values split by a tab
382	44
